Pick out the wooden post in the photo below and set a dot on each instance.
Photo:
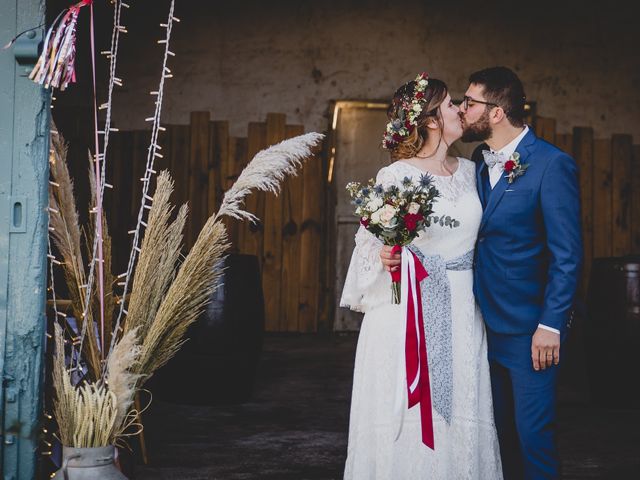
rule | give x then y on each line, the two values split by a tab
198	175
603	196
180	146
583	152
621	156
230	169
251	235
546	129
310	244
219	151
272	249
138	161
115	204
635	201
564	141
292	195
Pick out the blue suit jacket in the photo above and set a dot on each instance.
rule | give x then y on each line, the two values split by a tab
529	247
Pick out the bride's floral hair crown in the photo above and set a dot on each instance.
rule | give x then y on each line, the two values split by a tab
401	127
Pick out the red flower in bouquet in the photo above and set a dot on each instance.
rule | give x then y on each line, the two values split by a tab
411	220
364	221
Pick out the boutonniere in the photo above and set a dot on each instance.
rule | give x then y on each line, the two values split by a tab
513	168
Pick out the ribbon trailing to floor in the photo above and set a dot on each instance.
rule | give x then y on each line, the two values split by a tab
418	389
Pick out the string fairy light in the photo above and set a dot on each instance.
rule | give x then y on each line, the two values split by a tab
52	259
101	184
54	299
152	154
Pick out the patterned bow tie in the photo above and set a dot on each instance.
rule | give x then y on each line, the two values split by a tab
493	158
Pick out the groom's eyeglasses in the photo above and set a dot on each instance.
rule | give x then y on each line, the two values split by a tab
466	100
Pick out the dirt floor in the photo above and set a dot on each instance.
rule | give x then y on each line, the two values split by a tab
295	426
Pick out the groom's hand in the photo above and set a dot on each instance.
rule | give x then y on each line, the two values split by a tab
390	262
545	349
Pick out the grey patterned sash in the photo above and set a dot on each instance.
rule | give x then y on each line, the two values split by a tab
436	310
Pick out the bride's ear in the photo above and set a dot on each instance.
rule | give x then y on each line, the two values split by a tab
432	124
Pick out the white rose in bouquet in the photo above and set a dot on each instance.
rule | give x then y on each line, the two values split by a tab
387	215
375	216
414	208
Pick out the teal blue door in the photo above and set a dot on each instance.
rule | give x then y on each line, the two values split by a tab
24	175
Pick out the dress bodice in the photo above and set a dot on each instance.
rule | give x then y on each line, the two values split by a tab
458	199
367	284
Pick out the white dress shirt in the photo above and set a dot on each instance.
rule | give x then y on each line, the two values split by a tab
496	172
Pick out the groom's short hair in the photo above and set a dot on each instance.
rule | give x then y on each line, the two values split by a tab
503	87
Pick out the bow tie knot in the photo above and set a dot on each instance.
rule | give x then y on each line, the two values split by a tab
493	158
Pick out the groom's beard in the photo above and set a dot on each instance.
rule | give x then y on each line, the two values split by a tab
478	131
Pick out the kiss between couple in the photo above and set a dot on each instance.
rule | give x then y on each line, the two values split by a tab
497	302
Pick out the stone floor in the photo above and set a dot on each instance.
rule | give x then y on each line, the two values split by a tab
295	427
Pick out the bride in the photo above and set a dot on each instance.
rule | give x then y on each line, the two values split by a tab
385	436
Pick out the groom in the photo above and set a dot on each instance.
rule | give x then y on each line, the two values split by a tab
528	258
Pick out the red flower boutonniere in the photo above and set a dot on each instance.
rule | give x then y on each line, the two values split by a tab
513	168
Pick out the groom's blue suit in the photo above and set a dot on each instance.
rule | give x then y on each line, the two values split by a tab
527	264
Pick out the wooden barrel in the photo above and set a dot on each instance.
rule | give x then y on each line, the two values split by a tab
613	331
219	361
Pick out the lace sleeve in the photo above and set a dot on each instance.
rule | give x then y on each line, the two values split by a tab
366	279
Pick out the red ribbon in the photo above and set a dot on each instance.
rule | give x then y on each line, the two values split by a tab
416	353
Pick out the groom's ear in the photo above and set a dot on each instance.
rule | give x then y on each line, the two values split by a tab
496	115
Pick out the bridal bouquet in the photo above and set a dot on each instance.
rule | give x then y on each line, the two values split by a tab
397	215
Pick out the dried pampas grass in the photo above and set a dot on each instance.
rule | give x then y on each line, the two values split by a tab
187	296
166	296
120	379
199	275
265	172
109	279
66	234
158	261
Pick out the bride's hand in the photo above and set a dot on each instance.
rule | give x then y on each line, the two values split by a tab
390	262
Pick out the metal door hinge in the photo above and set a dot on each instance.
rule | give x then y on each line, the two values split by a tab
26	48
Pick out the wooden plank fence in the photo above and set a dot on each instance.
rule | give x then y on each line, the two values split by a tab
204	161
291	239
609	190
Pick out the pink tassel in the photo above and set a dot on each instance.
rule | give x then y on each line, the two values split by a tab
56	66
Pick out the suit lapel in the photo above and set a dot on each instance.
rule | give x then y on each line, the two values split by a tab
498	191
480	168
479	180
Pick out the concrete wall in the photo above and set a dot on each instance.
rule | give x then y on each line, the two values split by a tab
579	64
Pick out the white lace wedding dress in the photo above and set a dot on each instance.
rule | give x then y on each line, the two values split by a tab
467	447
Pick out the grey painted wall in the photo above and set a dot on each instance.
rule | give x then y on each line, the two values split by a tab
581	65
